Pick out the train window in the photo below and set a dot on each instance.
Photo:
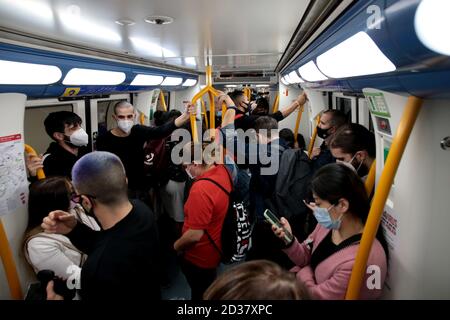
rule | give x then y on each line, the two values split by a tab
34	129
345	105
105	110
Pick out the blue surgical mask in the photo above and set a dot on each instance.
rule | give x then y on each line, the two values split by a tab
324	218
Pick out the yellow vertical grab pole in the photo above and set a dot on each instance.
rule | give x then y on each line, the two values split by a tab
142	119
224	109
276	103
163	100
9	265
297	123
384	186
40	172
204	111
370	181
313	138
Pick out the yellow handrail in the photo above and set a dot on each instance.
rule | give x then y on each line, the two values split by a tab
276	103
398	146
202	102
142	118
211	93
39	172
9	265
248	93
297	123
163	100
370	181
313	138
224	109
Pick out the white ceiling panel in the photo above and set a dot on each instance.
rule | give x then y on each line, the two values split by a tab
236	34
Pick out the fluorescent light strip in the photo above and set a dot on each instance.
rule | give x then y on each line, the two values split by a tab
190	83
311	73
146	80
12	72
172	81
356	56
231	86
431	23
294	77
262	85
77	76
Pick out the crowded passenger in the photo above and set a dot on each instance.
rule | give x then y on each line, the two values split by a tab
205	209
330	122
325	260
256	280
127	142
122	257
354	144
54	252
70	139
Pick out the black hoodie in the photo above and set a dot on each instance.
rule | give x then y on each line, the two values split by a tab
59	161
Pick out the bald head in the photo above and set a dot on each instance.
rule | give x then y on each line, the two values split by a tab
101	175
122	105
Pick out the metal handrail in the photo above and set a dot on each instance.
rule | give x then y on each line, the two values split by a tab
297	123
276	103
211	93
398	146
313	138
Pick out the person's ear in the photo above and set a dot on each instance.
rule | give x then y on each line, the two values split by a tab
361	156
343	205
86	202
58	136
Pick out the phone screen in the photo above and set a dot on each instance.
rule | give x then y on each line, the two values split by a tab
273	219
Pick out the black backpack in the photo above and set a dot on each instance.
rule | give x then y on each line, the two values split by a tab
236	230
291	188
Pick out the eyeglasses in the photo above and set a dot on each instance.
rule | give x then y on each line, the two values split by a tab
77	197
128	116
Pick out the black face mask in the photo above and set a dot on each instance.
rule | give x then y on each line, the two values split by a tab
322	133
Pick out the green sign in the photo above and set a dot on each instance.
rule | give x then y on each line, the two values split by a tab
377	104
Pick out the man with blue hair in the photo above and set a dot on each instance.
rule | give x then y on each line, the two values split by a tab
122	257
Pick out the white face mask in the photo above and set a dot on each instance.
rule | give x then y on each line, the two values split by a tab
125	125
189	174
79	138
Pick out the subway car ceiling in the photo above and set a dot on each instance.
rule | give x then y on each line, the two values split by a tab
398	50
384	44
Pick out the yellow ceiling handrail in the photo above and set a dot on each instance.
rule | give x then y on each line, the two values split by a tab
163	100
297	123
370	181
398	146
313	138
276	103
211	93
39	172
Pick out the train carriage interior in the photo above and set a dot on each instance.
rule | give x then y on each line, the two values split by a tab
383	64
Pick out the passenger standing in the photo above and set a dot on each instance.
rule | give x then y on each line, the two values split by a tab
325	260
205	211
53	251
355	145
127	142
330	122
70	140
122	258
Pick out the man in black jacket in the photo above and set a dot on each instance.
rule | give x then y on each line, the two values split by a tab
70	139
122	258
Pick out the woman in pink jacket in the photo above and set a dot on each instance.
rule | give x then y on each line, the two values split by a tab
324	261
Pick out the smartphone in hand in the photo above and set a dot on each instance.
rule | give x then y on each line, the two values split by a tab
273	219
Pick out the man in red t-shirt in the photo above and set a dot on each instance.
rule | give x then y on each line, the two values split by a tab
204	211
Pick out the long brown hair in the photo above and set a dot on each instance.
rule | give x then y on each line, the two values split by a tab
256	280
